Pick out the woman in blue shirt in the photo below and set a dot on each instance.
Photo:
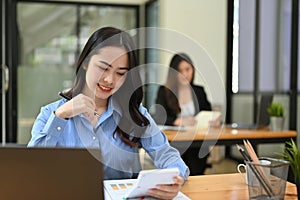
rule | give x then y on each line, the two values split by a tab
103	110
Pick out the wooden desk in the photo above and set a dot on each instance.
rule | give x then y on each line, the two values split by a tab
223	187
226	136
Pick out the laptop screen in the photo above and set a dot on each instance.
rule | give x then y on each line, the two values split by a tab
263	117
50	173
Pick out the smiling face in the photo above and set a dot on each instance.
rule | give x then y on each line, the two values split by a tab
106	72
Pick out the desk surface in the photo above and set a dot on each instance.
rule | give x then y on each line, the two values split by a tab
226	134
224	186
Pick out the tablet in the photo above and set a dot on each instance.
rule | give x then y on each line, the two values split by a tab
150	178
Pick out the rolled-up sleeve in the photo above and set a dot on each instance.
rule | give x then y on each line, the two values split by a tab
157	146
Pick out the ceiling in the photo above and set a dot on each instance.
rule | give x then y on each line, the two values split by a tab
127	2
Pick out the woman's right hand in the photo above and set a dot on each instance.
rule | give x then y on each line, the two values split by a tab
79	104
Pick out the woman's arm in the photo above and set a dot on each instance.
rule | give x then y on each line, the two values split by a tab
47	127
157	146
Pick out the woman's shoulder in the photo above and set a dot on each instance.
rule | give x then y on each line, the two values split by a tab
143	109
197	87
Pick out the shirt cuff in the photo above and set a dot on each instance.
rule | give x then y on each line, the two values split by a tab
54	127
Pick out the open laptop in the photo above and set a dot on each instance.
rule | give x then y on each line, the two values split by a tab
50	173
263	118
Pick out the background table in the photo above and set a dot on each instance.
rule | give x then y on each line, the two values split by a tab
226	136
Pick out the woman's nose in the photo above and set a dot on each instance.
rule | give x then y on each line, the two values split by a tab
108	78
184	74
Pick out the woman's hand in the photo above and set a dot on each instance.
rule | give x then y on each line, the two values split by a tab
215	123
79	104
167	192
185	121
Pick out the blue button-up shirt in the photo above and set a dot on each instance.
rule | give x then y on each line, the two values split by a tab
120	160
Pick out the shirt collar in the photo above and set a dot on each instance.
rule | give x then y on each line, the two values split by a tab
114	108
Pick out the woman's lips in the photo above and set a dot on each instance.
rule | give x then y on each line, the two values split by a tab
104	88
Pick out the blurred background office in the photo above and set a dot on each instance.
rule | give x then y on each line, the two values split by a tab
252	44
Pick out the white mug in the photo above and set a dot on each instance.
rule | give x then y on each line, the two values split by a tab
248	170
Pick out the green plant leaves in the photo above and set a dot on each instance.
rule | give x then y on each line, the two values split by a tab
292	154
276	109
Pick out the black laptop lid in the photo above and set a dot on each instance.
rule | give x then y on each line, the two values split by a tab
263	117
46	173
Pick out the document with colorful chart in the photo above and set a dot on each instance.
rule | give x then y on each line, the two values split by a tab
118	189
137	188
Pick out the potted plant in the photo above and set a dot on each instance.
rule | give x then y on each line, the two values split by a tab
276	112
292	154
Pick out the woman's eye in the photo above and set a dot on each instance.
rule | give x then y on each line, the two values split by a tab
121	74
102	68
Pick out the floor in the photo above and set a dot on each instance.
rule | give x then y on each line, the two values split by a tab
224	166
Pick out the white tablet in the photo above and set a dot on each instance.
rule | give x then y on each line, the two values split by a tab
150	178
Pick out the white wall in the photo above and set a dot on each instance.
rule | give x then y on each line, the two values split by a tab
201	20
205	24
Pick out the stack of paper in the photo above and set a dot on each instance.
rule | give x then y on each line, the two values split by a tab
204	117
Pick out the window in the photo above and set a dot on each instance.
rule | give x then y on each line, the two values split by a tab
261	46
50	37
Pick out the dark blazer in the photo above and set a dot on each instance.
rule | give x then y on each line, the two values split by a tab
199	97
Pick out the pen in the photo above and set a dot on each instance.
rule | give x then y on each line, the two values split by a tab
64	96
242	151
256	172
68	98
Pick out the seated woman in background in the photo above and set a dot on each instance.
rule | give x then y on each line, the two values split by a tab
182	100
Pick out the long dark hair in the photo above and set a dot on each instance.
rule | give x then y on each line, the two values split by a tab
171	88
129	96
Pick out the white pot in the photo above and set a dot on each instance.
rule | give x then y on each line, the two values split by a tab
276	123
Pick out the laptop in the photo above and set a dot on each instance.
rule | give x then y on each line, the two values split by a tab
50	173
263	118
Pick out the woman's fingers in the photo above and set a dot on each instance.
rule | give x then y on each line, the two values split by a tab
79	104
168	191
